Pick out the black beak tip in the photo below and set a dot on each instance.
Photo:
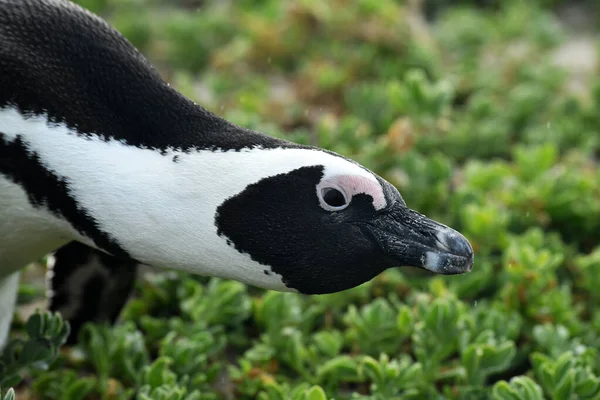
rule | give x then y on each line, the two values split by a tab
459	245
462	248
453	256
469	262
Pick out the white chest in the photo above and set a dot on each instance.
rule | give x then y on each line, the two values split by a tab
26	233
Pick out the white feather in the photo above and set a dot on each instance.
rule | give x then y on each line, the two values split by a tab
27	233
9	286
160	211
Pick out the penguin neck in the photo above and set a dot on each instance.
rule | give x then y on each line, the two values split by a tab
156	207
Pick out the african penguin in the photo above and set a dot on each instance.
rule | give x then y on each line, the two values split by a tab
105	164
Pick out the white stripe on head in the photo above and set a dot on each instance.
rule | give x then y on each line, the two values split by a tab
357	184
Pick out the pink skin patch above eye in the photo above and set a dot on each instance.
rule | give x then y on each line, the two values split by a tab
355	184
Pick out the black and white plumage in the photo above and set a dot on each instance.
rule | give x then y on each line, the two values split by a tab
101	159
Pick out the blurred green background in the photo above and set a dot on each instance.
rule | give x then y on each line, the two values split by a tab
484	114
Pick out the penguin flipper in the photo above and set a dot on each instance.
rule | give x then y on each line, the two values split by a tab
87	285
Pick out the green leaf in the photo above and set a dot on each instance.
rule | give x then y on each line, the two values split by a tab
589	388
339	369
79	389
158	373
316	393
503	391
372	369
563	368
10	379
37	351
565	387
35	325
329	342
404	321
482	360
519	388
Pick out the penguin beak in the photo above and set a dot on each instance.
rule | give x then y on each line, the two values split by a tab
409	238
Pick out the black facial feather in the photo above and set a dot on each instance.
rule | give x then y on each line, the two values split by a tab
278	222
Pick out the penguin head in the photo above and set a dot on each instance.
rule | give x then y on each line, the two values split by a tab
328	224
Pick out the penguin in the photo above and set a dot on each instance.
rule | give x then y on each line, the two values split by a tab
108	168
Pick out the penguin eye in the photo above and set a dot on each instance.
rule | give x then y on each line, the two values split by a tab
333	199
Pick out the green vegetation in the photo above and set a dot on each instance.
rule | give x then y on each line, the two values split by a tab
475	123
